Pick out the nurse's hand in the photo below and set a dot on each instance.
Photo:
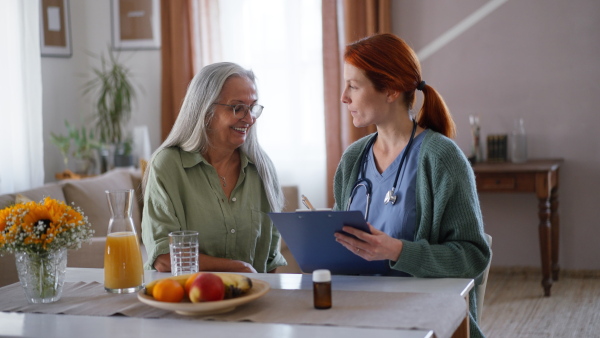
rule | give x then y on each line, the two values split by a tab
373	247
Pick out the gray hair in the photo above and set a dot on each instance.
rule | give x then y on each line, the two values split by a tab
190	129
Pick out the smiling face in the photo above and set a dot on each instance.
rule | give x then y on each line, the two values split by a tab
225	130
366	105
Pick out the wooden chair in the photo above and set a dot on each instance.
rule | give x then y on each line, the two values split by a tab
481	287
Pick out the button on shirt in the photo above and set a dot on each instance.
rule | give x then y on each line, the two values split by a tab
184	193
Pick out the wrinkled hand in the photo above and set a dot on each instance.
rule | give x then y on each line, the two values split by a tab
240	266
162	263
373	247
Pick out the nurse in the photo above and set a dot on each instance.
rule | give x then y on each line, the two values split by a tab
411	180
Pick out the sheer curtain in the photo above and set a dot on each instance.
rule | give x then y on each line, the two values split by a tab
281	41
21	141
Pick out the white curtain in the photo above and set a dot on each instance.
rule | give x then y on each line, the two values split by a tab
207	35
281	42
21	140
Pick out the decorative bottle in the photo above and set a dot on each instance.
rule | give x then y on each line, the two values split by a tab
519	142
476	149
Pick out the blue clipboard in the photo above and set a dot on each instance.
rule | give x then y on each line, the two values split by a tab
310	238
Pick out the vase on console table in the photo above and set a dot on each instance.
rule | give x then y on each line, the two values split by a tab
519	142
476	149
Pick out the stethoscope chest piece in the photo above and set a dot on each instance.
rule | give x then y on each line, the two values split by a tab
390	197
363	181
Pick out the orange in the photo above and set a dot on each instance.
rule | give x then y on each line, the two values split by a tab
168	290
188	282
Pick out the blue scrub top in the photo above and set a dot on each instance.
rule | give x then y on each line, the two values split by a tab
397	220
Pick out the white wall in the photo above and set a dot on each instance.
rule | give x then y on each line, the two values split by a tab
536	59
63	79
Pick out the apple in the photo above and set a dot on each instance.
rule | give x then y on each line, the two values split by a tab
207	287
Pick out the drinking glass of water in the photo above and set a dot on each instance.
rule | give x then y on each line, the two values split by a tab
183	247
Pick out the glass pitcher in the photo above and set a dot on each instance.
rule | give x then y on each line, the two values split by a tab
123	269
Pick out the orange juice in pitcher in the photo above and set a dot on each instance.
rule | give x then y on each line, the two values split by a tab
123	269
122	262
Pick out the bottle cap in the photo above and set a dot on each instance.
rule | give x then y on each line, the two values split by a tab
321	275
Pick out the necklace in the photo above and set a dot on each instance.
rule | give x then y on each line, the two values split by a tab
224	182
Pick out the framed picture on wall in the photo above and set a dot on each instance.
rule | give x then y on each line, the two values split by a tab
135	24
55	28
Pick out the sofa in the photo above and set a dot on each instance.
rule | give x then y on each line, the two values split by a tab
89	194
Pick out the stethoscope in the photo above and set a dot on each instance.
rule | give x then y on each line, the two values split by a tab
364	182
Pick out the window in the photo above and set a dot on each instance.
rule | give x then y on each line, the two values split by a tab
21	154
281	42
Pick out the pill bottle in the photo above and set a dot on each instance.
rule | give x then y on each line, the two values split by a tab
322	288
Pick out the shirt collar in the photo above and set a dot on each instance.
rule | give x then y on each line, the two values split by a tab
190	159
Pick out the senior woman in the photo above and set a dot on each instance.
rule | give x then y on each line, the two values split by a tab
211	175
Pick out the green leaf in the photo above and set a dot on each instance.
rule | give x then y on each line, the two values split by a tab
114	94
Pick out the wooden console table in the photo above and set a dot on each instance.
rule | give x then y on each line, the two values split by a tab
539	176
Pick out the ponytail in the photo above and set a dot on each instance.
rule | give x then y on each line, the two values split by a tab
434	113
389	63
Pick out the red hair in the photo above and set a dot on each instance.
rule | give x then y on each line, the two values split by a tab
390	64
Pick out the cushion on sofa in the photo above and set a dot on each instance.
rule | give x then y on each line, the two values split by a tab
53	190
90	196
7	200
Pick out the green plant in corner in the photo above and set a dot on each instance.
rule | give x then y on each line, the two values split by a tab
83	142
125	147
114	95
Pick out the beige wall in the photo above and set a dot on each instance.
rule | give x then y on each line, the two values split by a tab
63	79
536	59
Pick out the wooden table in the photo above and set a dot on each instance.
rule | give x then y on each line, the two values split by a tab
64	325
539	176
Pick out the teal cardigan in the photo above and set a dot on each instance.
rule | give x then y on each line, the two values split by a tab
449	237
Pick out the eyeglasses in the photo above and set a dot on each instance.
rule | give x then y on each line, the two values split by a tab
240	110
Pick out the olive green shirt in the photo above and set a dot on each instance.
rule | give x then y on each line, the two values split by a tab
184	192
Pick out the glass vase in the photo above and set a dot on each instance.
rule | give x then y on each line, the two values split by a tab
519	142
42	275
476	149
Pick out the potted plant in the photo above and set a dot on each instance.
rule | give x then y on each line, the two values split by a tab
80	145
114	94
124	153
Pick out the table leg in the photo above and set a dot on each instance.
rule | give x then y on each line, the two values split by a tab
544	214
554	219
462	331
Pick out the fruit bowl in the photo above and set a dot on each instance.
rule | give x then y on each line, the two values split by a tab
259	289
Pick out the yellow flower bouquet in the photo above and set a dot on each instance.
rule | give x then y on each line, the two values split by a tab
40	227
39	234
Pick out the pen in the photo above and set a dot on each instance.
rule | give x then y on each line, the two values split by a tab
307	203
